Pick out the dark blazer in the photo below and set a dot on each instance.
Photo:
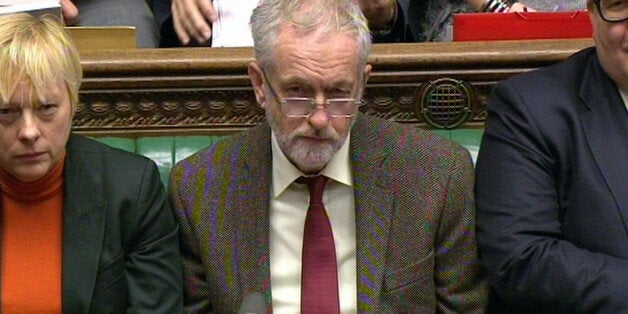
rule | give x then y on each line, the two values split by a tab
416	249
120	245
552	190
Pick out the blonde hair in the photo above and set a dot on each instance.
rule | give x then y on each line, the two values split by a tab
39	51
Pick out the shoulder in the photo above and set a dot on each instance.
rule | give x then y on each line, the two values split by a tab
408	143
228	153
116	177
564	76
222	149
548	94
97	156
401	136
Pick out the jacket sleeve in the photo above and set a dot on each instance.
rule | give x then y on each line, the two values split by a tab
460	281
153	266
196	298
531	265
399	31
162	12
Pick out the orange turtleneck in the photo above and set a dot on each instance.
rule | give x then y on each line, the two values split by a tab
32	235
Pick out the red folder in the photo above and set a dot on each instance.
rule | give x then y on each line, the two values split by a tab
521	25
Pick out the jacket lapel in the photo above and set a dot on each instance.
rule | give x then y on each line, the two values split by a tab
83	229
253	202
373	204
606	115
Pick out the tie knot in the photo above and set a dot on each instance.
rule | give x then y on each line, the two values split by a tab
316	186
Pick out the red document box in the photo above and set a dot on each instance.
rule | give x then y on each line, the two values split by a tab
521	25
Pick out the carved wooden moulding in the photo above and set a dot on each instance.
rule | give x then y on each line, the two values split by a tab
207	90
444	103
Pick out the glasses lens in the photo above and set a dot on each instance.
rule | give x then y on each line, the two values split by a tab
303	107
296	107
614	10
341	107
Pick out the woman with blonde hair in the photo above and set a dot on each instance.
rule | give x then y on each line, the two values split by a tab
84	227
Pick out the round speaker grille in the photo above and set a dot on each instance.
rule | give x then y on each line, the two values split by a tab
445	103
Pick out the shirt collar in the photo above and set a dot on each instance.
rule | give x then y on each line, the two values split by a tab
284	172
624	97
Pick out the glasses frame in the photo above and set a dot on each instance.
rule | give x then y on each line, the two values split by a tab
312	103
599	12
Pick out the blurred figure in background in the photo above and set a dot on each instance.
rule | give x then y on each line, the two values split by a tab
189	22
136	13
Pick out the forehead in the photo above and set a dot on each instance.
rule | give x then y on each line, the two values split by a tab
26	91
316	55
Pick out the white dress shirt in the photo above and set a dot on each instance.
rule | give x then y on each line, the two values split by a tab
288	208
624	97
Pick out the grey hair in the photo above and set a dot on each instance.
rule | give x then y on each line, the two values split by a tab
331	17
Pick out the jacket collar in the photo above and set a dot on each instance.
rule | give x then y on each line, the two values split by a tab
373	204
83	226
604	115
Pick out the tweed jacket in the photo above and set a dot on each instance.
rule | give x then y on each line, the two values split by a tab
552	191
414	209
120	244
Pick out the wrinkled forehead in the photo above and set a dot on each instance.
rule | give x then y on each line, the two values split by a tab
316	45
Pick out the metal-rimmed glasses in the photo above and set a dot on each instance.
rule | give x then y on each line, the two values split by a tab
303	107
612	11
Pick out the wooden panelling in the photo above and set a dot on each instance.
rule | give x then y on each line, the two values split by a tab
207	90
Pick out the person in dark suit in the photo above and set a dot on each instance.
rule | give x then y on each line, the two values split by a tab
398	200
552	182
86	228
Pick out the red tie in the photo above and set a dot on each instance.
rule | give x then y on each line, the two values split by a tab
319	274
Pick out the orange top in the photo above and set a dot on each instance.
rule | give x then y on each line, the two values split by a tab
32	229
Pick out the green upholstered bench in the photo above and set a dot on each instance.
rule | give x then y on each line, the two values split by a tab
469	138
164	150
168	150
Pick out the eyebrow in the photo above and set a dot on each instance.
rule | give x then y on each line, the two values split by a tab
36	103
50	98
293	79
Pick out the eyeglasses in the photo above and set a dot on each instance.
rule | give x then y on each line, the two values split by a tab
612	10
302	107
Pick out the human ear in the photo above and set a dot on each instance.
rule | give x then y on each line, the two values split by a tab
256	75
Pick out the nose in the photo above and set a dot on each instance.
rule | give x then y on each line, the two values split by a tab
29	130
319	119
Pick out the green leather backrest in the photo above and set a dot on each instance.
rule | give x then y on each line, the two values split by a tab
469	138
164	150
168	150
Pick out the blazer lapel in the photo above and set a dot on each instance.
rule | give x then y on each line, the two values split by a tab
253	204
373	204
605	116
83	230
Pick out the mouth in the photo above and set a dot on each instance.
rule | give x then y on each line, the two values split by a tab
315	139
31	157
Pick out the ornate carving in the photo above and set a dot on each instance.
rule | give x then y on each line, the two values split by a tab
198	109
206	90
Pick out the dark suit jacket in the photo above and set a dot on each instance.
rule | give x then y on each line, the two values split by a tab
552	190
120	245
416	249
